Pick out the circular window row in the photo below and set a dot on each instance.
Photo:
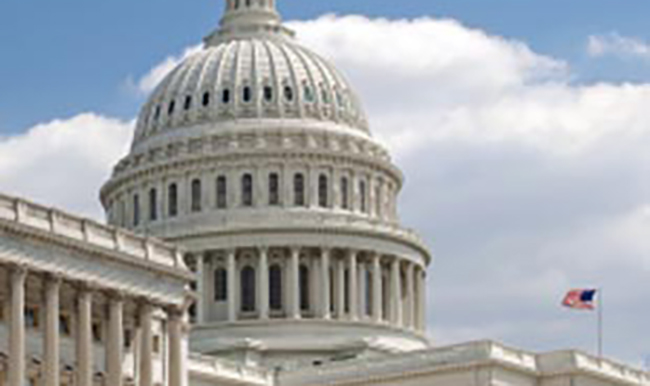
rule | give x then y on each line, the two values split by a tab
247	96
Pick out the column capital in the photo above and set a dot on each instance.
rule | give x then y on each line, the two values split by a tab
18	270
295	250
264	249
53	279
114	295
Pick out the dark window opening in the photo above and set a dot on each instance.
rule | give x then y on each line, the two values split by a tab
274	189
247	190
188	102
173	200
220	285
275	287
196	195
153	205
222	191
248	289
268	93
225	96
299	189
304	288
323	188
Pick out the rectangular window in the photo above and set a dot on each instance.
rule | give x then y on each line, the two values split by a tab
345	201
222	192
196	195
153	205
173	200
247	190
274	189
136	210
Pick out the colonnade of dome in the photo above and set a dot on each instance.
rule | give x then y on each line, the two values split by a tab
303	282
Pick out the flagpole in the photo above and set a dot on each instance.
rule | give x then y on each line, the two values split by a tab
600	323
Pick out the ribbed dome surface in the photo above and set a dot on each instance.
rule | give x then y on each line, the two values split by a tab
256	77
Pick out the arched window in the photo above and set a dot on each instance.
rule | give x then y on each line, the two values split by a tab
309	93
247	190
299	189
225	96
196	195
172	106
274	189
346	290
136	210
248	289
288	93
153	204
172	193
362	196
268	93
378	201
275	287
222	192
220	285
188	102
156	114
323	188
206	99
345	198
236	4
247	94
304	288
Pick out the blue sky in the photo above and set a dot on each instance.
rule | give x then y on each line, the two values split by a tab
69	56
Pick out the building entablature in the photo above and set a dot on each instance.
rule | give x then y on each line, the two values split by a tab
49	241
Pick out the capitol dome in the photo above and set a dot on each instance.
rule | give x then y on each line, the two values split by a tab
243	74
255	157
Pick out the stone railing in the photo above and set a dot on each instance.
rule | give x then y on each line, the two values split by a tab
570	361
57	223
219	370
414	362
466	355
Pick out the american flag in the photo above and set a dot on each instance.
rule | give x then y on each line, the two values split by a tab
580	299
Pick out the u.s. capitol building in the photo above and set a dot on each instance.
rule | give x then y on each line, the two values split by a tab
253	239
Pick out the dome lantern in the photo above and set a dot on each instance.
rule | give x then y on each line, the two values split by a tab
249	18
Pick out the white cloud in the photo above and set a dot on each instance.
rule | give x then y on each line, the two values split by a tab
64	162
615	44
524	183
148	82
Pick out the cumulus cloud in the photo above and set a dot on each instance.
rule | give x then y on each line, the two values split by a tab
148	82
614	44
524	184
64	162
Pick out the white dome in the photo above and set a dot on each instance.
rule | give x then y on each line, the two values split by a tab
245	75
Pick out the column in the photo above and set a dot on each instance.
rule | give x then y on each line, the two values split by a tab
294	284
84	338
263	281
377	301
146	345
232	277
177	369
200	289
423	300
325	300
339	293
410	295
51	342
396	293
114	341
16	376
353	286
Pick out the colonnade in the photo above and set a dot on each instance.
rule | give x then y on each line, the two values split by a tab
114	346
342	284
